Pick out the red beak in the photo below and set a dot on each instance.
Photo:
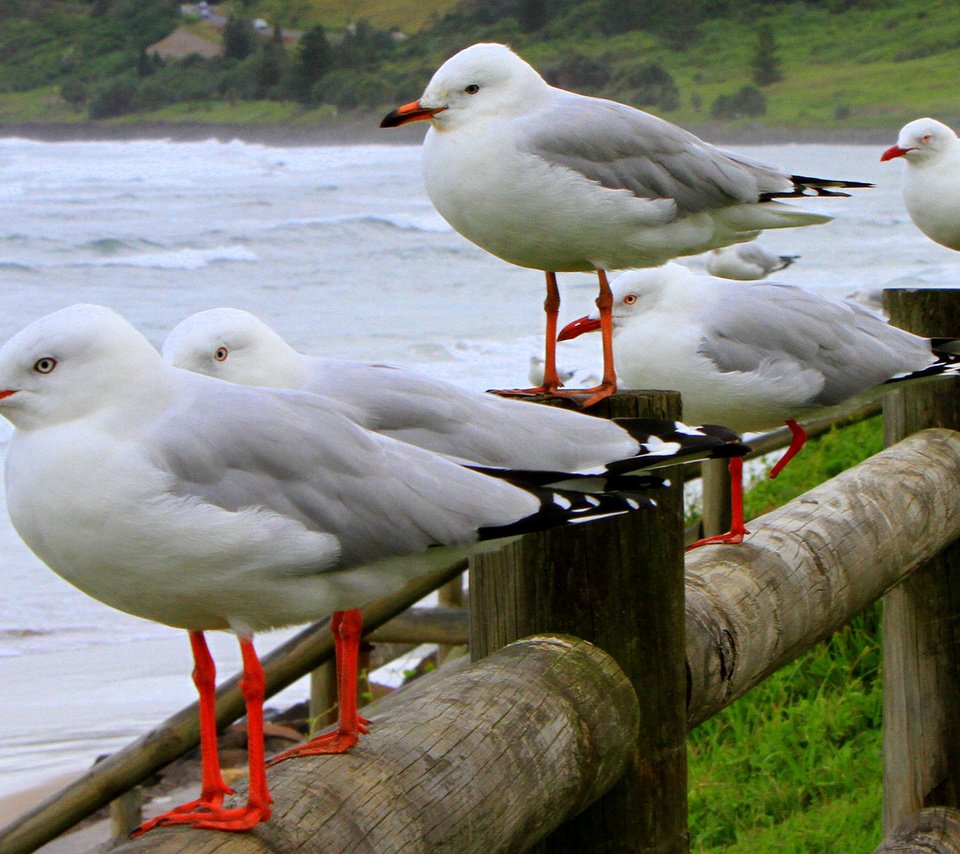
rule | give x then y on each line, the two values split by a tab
7	393
411	112
893	151
576	328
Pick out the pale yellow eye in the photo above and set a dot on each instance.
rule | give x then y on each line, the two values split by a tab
45	365
630	299
221	354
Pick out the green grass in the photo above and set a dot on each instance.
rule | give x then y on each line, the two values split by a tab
796	765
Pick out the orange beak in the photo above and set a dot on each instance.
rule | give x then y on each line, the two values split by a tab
576	328
412	112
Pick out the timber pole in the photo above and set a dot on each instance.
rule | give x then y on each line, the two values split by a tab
619	584
921	617
553	717
935	830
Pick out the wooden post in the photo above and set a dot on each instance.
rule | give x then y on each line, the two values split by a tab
921	617
931	831
619	584
489	759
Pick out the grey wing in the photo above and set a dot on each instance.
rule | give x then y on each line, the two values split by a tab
476	427
623	148
768	326
294	454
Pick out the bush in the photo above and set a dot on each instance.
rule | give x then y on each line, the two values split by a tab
749	101
348	90
115	99
580	72
647	84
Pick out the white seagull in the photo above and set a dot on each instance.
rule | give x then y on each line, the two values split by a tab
745	262
548	179
754	355
473	427
931	180
207	505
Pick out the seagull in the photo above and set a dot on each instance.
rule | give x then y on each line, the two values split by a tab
207	505
754	355
931	181
472	427
555	181
746	262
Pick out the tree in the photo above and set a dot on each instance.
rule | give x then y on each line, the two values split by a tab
314	59
532	15
765	62
239	38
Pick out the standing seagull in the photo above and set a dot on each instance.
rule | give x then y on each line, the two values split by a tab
207	505
931	181
746	262
548	179
473	427
752	356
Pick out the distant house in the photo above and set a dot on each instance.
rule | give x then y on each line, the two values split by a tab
181	43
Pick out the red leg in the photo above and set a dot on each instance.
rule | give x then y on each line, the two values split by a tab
212	787
346	627
797	441
257	808
737	528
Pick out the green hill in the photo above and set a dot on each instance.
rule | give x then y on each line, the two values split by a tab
822	63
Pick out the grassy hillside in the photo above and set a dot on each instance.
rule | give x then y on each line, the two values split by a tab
860	65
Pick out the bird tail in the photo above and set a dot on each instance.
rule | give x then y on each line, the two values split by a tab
785	261
946	365
664	442
559	507
804	185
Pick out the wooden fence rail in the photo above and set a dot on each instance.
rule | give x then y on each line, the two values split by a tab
554	717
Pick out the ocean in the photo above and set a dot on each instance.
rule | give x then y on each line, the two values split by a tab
340	250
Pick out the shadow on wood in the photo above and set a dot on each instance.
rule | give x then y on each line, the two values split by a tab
554	717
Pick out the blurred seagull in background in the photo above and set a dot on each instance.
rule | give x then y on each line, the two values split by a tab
555	181
746	262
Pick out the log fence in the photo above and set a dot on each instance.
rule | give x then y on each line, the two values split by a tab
573	740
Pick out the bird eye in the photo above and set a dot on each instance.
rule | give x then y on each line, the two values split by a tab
472	89
630	299
221	354
45	365
925	138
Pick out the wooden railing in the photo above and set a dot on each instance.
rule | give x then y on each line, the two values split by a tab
446	769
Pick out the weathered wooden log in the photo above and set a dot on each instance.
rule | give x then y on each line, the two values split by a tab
553	715
921	641
813	564
619	584
425	625
935	830
181	732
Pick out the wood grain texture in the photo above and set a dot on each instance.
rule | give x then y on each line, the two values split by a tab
921	619
935	830
619	584
813	564
490	759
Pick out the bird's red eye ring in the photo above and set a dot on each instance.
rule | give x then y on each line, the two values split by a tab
630	299
221	354
45	365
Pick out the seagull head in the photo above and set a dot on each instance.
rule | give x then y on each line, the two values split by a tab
635	292
922	141
233	345
484	79
71	363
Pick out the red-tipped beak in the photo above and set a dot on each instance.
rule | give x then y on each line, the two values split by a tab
7	393
576	328
893	151
411	112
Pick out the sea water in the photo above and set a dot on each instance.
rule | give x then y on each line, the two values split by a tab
340	250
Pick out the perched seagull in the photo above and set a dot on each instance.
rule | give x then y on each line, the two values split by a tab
931	181
474	428
746	262
207	505
548	179
754	355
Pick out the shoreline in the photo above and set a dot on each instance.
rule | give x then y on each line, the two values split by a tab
364	130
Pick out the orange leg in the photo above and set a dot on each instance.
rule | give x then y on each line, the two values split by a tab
346	627
737	528
797	441
608	384
257	809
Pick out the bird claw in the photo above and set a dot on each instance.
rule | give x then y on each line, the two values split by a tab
323	745
235	820
731	538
